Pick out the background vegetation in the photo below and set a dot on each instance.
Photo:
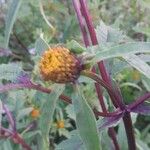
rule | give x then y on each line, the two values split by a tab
25	29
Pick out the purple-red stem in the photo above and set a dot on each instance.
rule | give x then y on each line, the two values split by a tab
127	118
78	10
37	87
139	101
106	77
18	139
101	66
129	131
99	94
15	137
10	117
81	22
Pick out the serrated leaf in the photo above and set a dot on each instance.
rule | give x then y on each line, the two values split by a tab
108	34
85	121
102	32
10	19
10	71
139	64
120	50
41	45
115	35
47	113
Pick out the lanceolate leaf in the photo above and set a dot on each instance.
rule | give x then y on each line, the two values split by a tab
47	113
139	64
120	50
10	19
85	121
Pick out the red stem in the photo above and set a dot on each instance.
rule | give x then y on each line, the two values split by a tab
129	131
117	102
81	22
98	90
38	87
106	77
99	94
139	101
20	141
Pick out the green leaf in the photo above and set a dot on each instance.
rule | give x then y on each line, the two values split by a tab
24	112
7	145
108	34
120	50
70	112
41	45
47	113
73	143
139	64
102	32
75	47
85	121
10	19
146	82
141	145
130	84
10	71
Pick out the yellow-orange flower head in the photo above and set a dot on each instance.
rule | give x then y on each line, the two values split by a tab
58	64
60	124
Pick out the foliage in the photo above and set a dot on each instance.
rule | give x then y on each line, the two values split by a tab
82	114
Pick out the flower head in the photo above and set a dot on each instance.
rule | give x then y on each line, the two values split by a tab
58	64
35	113
60	124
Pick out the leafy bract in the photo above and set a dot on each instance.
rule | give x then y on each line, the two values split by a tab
47	113
85	121
10	19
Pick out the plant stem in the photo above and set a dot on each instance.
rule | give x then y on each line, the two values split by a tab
31	85
102	83
10	117
101	66
20	141
129	131
112	134
99	94
81	22
116	100
98	89
139	101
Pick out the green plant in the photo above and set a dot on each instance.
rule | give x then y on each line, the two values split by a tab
70	76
